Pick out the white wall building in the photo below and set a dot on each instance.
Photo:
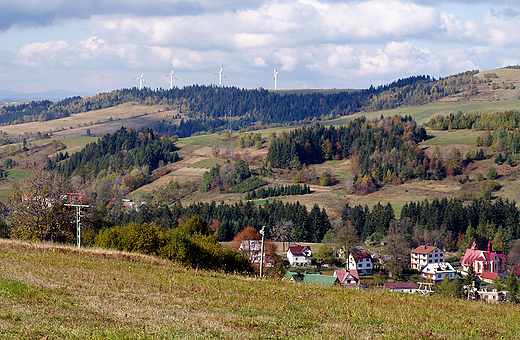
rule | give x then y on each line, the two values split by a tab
362	262
425	255
438	271
299	256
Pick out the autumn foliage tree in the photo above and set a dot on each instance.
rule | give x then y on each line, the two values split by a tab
247	242
37	210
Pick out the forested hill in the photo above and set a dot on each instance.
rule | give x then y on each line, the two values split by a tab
207	107
120	152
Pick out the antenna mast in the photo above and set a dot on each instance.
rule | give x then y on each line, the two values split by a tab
76	200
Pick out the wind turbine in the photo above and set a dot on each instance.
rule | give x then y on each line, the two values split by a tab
171	78
141	81
275	79
220	76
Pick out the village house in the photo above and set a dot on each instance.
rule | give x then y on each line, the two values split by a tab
299	256
252	249
424	255
438	271
348	278
493	296
403	287
483	260
361	262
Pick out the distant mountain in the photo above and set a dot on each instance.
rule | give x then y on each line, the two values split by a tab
54	95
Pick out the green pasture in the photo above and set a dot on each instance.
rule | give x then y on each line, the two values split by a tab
423	113
207	163
460	137
18	174
75	144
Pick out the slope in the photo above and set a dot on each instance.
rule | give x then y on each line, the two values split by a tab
50	292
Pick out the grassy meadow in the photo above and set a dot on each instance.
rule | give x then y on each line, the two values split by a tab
51	292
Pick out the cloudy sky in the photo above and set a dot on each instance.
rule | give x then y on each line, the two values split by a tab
101	45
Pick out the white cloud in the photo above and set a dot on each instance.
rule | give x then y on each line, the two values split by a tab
311	42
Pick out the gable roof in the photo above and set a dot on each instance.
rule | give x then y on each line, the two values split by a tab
320	279
423	249
344	275
399	285
298	250
363	255
311	278
473	255
489	275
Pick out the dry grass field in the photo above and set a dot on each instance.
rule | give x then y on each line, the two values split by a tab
100	122
55	292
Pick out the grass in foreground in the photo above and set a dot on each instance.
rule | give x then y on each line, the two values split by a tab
61	293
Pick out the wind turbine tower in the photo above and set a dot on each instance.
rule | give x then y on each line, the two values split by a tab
275	79
220	76
171	78
141	81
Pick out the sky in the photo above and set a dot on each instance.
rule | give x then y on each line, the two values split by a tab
101	45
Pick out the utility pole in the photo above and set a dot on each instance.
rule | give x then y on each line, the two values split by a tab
262	232
78	198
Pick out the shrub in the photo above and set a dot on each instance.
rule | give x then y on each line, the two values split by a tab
492	174
133	237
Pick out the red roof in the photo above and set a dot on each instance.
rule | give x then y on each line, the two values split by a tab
424	249
516	268
473	255
298	250
489	275
400	285
364	254
344	275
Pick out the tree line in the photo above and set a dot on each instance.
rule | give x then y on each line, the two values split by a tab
505	120
295	189
229	219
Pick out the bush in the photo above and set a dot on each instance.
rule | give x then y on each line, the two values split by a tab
492	174
133	237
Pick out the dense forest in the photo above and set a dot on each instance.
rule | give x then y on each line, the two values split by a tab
227	220
212	109
119	153
382	150
448	224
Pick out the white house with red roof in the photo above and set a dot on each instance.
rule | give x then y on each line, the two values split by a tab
424	255
404	287
299	256
361	262
348	278
483	260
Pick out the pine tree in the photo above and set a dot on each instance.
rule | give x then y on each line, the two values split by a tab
513	287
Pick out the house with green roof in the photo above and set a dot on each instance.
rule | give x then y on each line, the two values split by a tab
319	279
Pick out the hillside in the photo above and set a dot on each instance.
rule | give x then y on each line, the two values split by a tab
180	182
53	292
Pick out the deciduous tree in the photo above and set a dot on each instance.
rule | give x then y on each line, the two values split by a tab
36	204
